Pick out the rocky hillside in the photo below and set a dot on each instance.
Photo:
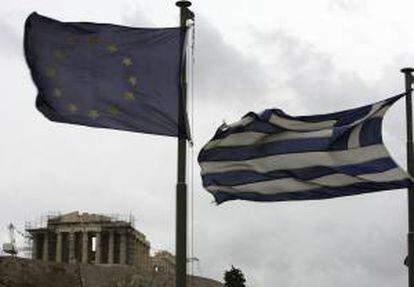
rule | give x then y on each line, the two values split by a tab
19	272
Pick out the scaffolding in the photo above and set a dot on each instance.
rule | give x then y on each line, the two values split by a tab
42	222
43	219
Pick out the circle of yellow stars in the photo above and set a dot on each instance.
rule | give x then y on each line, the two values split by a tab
112	49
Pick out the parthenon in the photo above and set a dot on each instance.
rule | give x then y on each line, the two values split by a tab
90	238
89	249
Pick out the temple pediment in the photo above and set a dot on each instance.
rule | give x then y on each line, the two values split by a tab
76	217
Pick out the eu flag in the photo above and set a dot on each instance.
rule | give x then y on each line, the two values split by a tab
107	76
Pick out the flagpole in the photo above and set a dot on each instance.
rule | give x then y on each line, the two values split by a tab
181	196
410	167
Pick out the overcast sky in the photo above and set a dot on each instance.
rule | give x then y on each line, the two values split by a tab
304	57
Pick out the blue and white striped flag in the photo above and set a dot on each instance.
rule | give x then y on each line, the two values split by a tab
272	156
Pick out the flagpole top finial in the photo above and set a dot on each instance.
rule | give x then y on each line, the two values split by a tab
407	70
183	4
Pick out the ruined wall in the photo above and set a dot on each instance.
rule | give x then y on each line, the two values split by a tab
19	272
23	273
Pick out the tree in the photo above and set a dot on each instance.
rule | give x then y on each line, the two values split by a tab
234	278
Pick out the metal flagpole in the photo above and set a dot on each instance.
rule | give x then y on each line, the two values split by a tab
410	166
181	197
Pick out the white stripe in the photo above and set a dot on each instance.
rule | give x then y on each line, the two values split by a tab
275	186
389	175
242	123
291	124
293	185
298	160
253	138
353	140
380	113
374	109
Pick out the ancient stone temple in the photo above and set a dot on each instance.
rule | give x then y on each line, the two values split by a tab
90	238
163	261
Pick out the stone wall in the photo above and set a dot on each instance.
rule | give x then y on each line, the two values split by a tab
19	272
22	273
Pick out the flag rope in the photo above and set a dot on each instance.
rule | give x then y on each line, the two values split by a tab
191	156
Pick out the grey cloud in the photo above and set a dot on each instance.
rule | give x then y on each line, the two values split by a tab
332	243
222	72
311	75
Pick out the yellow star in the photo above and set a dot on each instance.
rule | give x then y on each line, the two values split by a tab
72	108
114	110
93	40
50	72
58	54
128	96
57	93
126	61
72	40
112	48
133	80
94	114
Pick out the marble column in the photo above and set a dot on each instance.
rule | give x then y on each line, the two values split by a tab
122	248
98	248
34	246
142	260
59	247
111	247
140	255
85	241
145	257
45	255
72	258
137	253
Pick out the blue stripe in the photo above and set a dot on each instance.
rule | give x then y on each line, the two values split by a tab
344	117
321	193
392	100
239	177
371	132
340	137
350	116
261	121
261	127
266	149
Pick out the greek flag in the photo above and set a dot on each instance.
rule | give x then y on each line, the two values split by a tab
273	156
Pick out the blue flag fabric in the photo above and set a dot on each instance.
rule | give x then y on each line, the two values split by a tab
107	76
276	157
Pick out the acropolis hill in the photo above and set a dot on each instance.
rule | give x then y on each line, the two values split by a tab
91	250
